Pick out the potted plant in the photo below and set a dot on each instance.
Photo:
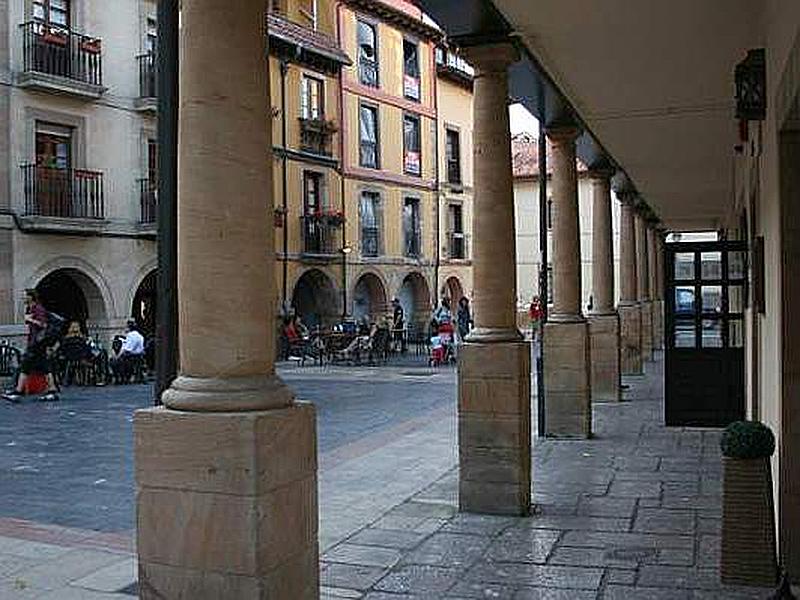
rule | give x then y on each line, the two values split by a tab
92	45
748	518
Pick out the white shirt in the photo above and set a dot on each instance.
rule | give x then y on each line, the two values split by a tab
134	343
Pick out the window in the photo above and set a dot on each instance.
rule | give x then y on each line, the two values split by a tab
453	156
312	193
368	132
311	98
411	145
410	70
152	160
53	146
456	240
367	54
411	227
370	223
151	36
52	12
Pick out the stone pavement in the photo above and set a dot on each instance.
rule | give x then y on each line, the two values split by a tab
633	514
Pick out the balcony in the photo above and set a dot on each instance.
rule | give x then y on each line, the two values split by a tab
148	92
370	241
63	200
57	59
148	202
316	136
457	246
321	236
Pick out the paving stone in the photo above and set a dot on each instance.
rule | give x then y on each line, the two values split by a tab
551	594
423	509
552	576
590	557
635	489
594	539
709	551
733	593
478	524
678	577
371	556
636	463
659	520
453	550
74	565
674	557
328	593
565	522
624	592
418	579
619	576
523	545
709	525
111	578
388	538
482	591
649	502
357	577
606	507
712	504
426	525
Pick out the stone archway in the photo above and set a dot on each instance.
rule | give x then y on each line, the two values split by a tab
369	298
143	308
453	290
73	295
415	298
316	299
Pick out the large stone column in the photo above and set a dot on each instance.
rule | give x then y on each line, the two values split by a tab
603	320
643	285
630	313
226	471
567	371
494	372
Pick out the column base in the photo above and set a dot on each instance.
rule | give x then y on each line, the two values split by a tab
630	320
567	380
604	333
494	428
658	324
227	504
647	330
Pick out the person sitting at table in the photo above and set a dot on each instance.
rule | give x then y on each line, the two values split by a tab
131	352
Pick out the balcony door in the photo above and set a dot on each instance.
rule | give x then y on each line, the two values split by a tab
455	230
411	227
704	365
52	182
314	231
52	12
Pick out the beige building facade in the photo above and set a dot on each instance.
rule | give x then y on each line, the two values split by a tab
79	162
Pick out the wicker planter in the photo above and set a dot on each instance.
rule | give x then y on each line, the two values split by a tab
748	521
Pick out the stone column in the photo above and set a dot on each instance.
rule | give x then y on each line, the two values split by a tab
654	251
226	470
603	320
643	285
629	308
567	371
494	371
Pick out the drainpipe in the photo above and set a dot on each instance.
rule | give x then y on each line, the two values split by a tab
284	65
437	174
341	168
543	291
167	309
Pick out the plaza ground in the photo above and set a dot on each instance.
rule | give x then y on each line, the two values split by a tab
633	513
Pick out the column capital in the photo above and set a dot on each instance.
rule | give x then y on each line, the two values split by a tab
492	57
628	198
604	173
560	134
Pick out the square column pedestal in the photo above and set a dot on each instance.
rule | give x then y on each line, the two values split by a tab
605	352
227	504
647	330
658	325
494	428
567	380
630	321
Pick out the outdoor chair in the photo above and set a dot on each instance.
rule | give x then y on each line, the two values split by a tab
380	345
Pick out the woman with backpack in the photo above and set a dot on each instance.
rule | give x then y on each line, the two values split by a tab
35	376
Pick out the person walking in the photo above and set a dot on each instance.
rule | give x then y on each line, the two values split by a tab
464	319
398	326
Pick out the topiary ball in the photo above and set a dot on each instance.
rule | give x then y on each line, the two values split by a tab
747	439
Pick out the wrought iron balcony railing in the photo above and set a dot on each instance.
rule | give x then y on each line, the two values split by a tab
148	200
59	51
64	193
457	245
320	235
147	75
370	241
